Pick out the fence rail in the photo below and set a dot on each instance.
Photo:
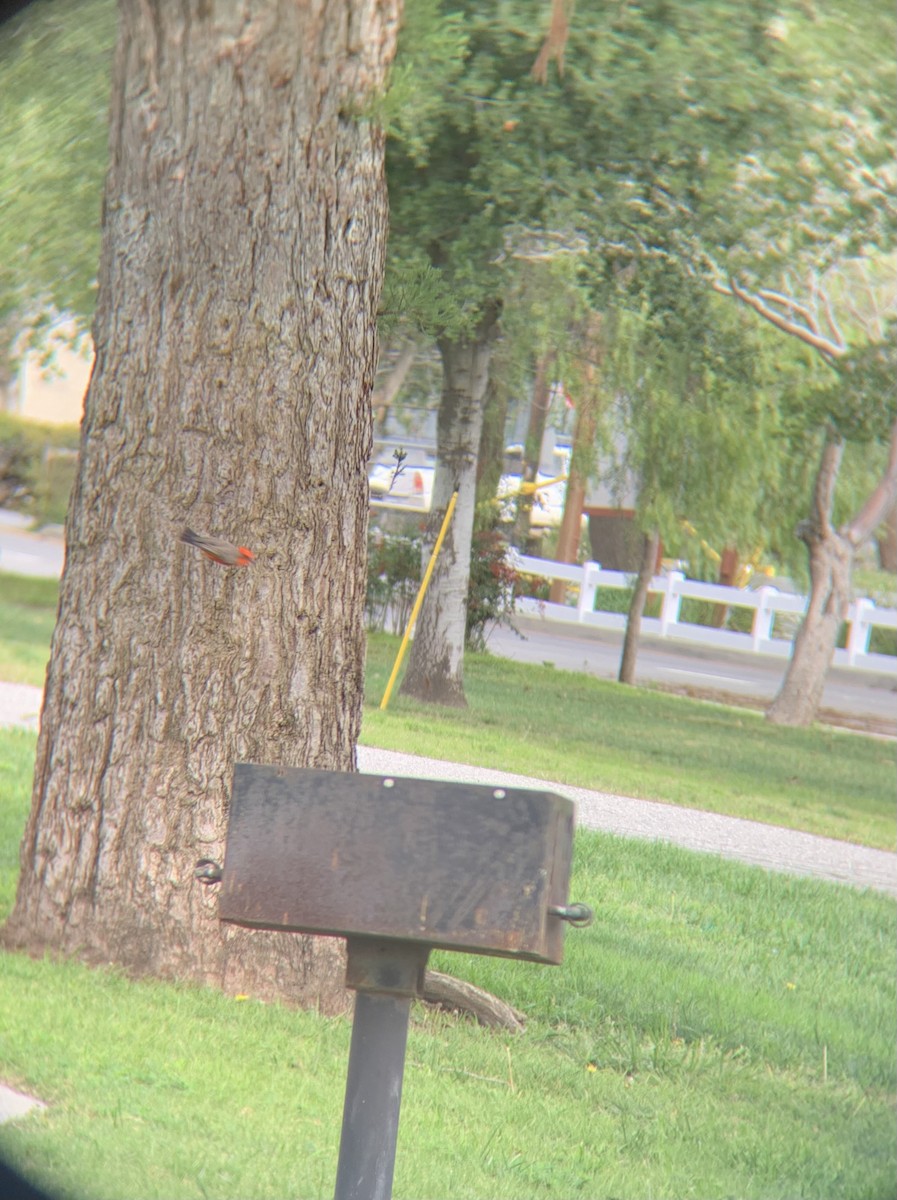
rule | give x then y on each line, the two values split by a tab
862	616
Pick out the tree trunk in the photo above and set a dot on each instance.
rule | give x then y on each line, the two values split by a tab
532	449
647	567
887	541
582	461
243	243
831	562
9	371
384	396
491	452
436	664
728	573
831	554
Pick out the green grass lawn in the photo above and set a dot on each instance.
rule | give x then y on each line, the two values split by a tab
568	727
571	728
717	1032
27	617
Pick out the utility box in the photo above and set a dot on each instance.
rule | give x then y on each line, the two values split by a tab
443	865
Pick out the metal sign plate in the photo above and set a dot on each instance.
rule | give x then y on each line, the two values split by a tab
448	865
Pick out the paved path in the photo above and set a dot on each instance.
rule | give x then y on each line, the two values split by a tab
769	846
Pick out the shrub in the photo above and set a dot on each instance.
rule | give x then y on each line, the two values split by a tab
37	466
394	575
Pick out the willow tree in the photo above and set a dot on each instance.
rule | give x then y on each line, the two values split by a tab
499	162
243	242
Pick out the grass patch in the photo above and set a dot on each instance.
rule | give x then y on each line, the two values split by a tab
571	728
719	1031
27	617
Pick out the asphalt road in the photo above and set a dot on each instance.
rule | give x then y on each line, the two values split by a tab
24	553
860	696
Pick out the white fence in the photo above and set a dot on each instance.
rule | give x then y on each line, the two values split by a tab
766	602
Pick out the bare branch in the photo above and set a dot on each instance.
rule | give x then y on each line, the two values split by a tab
556	40
829	349
807	315
830	319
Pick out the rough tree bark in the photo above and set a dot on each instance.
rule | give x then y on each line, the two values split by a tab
831	552
647	567
436	664
243	242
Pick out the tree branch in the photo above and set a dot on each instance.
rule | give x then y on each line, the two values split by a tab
828	348
555	42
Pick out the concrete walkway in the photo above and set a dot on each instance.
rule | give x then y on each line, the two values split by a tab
769	846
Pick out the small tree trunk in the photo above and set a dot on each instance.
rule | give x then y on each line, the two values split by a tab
532	449
391	385
647	567
436	664
887	541
582	460
728	572
491	453
831	562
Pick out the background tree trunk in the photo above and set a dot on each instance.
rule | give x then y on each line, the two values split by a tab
831	562
436	664
532	449
887	541
243	243
491	451
385	395
647	567
582	459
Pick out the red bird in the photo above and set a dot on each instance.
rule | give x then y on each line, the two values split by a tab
219	551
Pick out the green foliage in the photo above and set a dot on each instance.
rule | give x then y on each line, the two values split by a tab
861	402
55	62
394	575
695	427
493	588
37	466
508	167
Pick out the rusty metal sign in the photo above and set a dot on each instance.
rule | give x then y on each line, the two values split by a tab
448	865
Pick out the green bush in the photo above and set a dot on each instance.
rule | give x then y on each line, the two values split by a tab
394	575
38	463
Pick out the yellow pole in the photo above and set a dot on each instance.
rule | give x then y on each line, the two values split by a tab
419	601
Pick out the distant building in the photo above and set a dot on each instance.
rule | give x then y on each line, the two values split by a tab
53	393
